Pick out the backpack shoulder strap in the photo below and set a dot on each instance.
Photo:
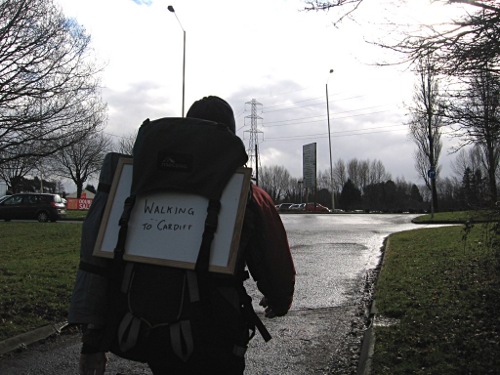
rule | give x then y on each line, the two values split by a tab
211	222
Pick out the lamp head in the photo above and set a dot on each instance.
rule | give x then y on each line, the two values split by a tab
171	8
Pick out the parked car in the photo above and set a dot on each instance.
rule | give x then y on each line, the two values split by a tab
28	206
315	207
284	206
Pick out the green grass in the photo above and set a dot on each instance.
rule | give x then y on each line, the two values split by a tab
459	217
37	272
76	214
441	290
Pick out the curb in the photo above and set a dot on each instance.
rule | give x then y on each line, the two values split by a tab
368	345
368	341
28	338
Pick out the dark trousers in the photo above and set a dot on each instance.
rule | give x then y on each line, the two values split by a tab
197	366
212	355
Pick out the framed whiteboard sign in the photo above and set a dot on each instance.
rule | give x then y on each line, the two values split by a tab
166	228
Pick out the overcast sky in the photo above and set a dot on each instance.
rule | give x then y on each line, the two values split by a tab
268	50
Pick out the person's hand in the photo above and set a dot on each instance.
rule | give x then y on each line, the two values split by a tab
269	312
272	311
92	364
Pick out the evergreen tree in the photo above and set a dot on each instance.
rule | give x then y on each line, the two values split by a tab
350	198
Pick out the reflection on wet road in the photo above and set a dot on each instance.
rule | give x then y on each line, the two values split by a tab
333	251
332	254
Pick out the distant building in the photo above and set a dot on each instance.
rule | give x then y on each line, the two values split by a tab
85	194
82	203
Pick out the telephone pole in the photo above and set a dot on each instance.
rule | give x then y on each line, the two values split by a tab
253	144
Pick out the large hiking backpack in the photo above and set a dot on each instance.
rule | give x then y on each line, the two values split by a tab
153	305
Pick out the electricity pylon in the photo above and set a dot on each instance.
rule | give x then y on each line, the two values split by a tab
253	144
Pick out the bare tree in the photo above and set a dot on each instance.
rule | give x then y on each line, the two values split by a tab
13	171
43	169
470	158
378	173
475	114
426	119
364	174
82	160
359	172
467	46
348	6
353	172
126	143
458	48
449	191
294	190
324	179
469	43
339	177
275	180
339	174
49	94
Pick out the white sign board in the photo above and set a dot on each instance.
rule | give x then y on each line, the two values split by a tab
166	228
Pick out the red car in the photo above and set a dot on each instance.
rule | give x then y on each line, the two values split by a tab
315	207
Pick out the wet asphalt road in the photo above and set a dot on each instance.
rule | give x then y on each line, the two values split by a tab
332	254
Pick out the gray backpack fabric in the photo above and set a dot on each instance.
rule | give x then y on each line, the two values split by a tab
185	154
89	299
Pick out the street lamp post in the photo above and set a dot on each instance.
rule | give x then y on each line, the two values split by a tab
330	141
171	9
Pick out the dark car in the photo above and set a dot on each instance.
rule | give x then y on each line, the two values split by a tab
27	206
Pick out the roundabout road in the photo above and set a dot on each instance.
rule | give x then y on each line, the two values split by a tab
333	255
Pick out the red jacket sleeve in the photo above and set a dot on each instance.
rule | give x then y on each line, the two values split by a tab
268	254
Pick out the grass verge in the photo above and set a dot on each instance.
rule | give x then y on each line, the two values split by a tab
37	273
76	214
459	217
438	300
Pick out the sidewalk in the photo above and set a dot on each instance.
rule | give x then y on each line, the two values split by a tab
28	338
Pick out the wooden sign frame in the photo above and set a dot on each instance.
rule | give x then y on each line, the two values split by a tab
166	228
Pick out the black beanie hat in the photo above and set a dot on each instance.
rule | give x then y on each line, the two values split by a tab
215	109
